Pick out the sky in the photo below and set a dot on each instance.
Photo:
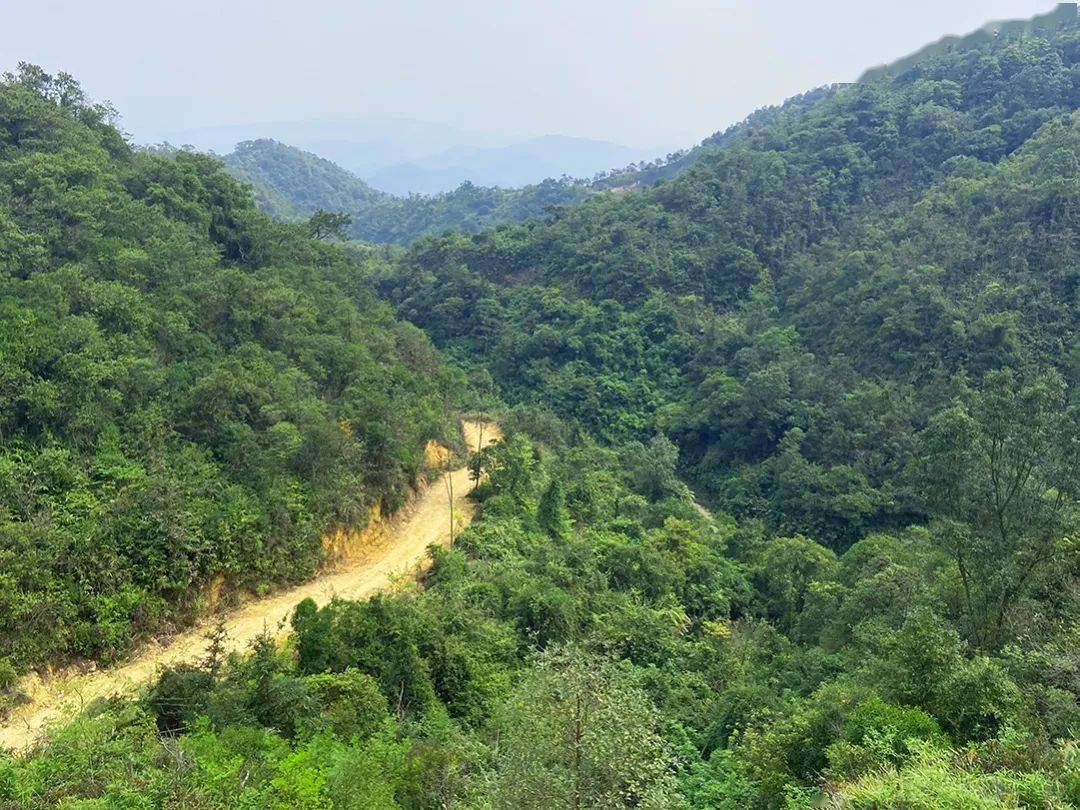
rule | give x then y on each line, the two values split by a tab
643	73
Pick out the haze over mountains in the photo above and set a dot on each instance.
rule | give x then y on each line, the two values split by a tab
849	326
373	171
361	146
516	164
403	156
291	184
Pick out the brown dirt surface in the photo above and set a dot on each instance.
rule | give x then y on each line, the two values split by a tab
400	554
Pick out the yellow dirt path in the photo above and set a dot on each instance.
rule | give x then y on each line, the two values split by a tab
425	521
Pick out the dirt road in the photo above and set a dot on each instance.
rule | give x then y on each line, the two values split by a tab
425	521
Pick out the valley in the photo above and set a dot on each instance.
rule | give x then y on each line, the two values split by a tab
781	509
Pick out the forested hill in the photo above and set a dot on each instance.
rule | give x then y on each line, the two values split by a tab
290	184
652	172
796	308
1063	14
189	391
854	329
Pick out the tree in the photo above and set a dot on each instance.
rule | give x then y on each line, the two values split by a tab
511	466
551	514
785	572
579	733
217	643
328	225
999	468
448	481
652	467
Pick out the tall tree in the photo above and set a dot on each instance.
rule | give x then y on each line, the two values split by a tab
1000	466
578	733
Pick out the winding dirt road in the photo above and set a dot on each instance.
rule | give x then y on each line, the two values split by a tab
409	533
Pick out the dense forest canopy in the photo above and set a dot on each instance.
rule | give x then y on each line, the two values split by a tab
850	326
187	389
794	308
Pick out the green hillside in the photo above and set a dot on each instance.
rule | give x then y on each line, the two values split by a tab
289	184
848	269
1063	14
188	390
858	322
786	510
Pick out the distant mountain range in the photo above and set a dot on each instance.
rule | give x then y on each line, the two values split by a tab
360	146
403	156
516	164
289	183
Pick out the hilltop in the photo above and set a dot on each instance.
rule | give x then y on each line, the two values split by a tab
289	183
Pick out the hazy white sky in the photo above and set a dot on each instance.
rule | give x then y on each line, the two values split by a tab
642	72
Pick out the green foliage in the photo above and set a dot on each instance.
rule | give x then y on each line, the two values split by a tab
328	225
551	514
179	697
850	324
1001	468
291	184
510	466
8	675
352	705
799	304
879	734
188	391
664	676
578	733
938	778
787	570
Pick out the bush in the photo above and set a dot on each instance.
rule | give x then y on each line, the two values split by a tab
8	676
180	695
879	734
351	704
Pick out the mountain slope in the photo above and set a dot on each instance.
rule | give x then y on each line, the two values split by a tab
854	328
814	262
289	183
397	547
190	394
1064	14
